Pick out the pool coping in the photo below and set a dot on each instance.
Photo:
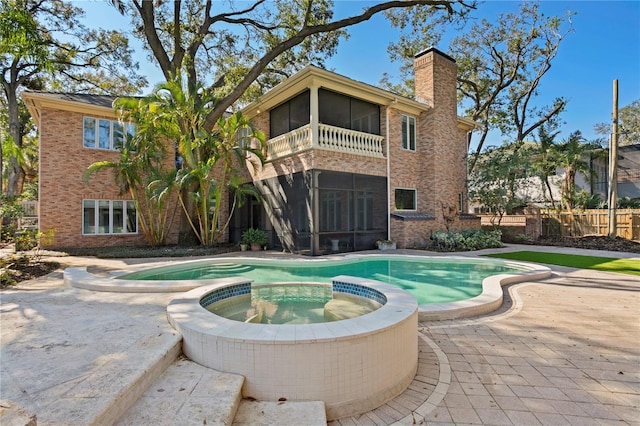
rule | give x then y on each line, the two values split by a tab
399	305
489	300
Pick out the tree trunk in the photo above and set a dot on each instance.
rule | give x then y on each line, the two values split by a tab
568	188
186	235
15	173
546	181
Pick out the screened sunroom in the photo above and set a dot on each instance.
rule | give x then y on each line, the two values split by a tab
318	212
319	118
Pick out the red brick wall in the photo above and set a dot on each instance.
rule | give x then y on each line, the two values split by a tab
437	169
63	161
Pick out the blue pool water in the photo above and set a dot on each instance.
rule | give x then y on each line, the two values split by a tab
430	280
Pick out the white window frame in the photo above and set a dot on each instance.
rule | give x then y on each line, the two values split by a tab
364	210
331	211
415	199
410	143
128	128
96	218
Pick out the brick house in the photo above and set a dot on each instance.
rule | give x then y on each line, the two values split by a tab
347	164
77	130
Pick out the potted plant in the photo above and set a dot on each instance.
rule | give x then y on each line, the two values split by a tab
255	237
386	244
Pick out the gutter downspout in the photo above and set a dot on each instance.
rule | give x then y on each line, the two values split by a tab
388	175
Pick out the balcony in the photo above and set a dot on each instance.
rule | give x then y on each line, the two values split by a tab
329	138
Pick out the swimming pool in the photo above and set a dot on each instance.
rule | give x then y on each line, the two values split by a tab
430	280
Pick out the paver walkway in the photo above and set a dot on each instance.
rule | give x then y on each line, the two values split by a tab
565	351
567	354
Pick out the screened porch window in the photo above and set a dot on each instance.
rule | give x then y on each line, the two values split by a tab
343	111
290	115
364	210
331	211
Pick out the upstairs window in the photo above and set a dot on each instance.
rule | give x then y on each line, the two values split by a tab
100	133
408	133
405	199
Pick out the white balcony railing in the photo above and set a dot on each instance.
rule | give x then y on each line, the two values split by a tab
330	138
289	143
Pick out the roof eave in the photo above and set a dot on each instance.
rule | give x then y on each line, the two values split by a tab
468	124
35	102
313	76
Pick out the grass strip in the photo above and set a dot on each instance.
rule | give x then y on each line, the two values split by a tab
607	264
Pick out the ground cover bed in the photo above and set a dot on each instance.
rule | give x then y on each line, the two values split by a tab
592	242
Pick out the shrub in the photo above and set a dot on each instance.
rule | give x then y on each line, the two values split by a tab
10	212
26	239
471	239
523	239
6	279
255	236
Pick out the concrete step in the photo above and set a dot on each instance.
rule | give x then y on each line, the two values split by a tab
264	413
118	382
12	414
187	394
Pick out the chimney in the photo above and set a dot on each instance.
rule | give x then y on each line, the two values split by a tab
435	80
435	85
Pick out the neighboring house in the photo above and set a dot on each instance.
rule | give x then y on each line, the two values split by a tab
629	171
628	174
347	164
533	191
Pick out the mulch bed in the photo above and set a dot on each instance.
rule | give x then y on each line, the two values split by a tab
592	242
15	269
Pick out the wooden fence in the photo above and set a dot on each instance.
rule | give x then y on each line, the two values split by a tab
590	222
31	213
550	223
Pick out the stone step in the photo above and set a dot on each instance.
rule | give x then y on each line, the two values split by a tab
12	414
187	394
265	413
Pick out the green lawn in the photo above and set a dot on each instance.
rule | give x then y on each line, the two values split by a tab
608	264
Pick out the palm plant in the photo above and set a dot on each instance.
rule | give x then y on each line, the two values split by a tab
141	170
211	158
546	163
235	150
573	154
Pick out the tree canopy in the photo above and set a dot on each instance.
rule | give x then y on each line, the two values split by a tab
500	67
239	49
499	180
629	125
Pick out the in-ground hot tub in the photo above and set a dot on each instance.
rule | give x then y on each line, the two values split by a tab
353	365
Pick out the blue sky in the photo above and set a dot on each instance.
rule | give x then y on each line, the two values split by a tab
604	46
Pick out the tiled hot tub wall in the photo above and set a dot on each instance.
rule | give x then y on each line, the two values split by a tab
352	365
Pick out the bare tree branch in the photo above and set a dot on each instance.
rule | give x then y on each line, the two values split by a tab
307	31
